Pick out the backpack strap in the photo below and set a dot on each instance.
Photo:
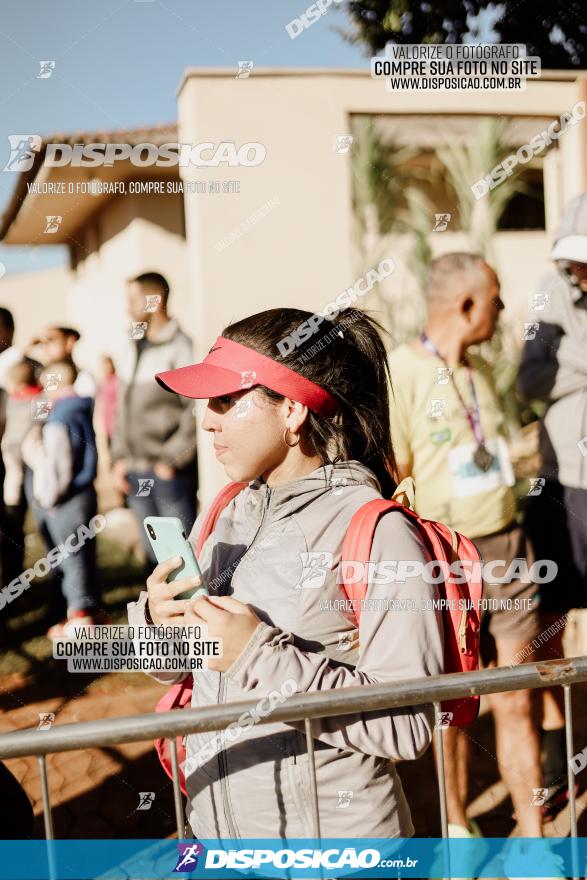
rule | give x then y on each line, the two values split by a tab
222	500
358	541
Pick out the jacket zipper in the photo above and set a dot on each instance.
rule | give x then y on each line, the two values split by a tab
222	764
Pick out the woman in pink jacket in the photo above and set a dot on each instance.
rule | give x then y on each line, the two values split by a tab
298	409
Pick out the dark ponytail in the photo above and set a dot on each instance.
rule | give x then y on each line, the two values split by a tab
347	357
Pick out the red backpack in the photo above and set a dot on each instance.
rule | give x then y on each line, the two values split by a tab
460	620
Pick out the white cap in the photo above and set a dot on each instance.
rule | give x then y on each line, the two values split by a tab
571	247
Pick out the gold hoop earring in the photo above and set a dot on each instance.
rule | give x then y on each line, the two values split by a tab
291	445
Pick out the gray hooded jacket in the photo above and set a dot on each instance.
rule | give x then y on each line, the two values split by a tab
151	424
257	785
554	364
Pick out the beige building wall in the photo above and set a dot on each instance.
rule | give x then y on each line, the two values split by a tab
133	234
36	299
299	254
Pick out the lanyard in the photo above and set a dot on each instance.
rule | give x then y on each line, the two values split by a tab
473	414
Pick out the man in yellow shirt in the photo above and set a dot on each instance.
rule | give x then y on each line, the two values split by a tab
448	433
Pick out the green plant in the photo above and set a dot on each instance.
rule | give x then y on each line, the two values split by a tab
386	201
553	31
463	164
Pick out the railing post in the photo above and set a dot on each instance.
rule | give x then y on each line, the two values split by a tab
571	778
177	795
440	775
439	744
313	782
314	787
47	817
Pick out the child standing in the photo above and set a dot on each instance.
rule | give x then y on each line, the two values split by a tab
61	453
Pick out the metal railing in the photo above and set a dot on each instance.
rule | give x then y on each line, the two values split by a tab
344	701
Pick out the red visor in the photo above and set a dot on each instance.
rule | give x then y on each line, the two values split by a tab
231	367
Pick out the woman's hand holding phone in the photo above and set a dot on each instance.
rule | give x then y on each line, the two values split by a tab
164	608
223	618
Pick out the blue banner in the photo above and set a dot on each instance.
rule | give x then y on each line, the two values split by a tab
299	858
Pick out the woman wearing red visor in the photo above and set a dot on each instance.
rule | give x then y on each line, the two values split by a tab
308	432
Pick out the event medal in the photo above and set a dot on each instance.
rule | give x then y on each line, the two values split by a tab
482	457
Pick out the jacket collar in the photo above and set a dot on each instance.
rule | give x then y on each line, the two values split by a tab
166	333
287	498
